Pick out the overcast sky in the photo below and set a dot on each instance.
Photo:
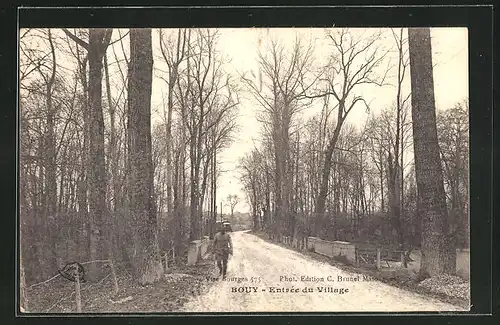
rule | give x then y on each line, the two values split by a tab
449	47
241	45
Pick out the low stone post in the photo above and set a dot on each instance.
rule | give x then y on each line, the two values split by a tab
193	252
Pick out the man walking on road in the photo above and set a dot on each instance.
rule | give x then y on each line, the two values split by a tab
223	246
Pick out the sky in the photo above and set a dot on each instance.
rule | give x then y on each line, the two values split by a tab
241	45
450	60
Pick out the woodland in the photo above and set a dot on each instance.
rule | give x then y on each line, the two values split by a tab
101	180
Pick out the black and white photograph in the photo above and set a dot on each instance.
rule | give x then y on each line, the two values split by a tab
252	169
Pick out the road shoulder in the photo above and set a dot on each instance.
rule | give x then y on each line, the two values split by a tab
401	281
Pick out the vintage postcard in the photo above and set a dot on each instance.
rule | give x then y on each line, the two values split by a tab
205	170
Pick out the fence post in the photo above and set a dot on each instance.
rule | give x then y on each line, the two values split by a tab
378	258
113	273
24	297
78	296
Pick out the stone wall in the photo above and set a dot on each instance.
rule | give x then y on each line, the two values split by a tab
332	249
340	248
463	263
197	250
310	243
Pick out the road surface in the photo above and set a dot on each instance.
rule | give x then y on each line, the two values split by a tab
263	277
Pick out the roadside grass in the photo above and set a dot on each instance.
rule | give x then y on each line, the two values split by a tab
166	296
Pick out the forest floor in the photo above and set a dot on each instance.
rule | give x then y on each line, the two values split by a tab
452	290
167	295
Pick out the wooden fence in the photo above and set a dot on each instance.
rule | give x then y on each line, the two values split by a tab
352	254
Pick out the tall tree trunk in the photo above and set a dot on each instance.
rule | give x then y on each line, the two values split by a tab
110	220
382	202
170	107
96	163
194	192
147	265
288	180
278	190
325	176
50	167
82	186
25	221
204	185
214	189
177	201
438	255
82	215
180	189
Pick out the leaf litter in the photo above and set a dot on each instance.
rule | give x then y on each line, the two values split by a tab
167	295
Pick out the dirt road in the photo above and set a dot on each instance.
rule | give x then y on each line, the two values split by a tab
263	277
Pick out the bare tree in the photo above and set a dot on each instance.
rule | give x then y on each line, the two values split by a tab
147	265
396	156
452	128
285	78
51	186
173	53
387	156
232	201
222	122
438	253
249	181
183	90
98	42
52	143
210	96
354	62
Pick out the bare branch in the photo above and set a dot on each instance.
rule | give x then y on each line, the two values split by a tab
77	40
